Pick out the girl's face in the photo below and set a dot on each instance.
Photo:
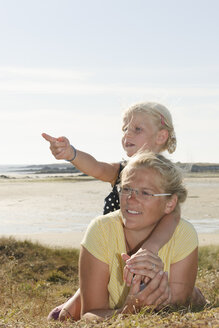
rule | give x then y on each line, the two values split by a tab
141	212
140	132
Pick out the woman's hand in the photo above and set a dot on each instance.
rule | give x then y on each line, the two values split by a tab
60	147
156	293
144	263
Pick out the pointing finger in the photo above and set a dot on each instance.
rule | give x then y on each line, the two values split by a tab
48	137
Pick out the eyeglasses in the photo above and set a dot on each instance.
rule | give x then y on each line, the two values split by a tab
139	194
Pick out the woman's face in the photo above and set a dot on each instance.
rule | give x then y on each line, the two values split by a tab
141	212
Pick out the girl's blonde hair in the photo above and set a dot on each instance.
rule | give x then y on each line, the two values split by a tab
171	176
161	118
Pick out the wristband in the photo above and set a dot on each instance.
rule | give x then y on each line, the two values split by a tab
75	154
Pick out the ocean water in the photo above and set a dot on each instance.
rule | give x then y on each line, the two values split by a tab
78	222
16	218
210	225
40	220
10	169
39	225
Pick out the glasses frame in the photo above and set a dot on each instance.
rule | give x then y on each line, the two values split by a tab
136	191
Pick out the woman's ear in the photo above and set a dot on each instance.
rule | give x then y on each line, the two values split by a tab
171	204
162	137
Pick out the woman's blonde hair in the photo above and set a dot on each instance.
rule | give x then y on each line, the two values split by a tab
161	118
171	176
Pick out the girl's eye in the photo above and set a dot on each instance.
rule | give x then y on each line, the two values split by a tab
137	129
124	129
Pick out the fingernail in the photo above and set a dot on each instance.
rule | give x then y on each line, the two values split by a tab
161	272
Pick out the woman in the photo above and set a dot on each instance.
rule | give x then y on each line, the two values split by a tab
151	186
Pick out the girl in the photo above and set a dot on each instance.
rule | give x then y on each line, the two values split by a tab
145	126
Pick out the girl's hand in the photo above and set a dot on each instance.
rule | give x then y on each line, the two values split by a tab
144	263
60	147
155	294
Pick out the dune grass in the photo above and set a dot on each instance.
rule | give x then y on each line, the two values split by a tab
35	278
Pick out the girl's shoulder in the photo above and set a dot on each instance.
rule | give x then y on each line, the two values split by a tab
122	164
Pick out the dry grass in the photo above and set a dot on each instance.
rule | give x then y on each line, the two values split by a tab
34	279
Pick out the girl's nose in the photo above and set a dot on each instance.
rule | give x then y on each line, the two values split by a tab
128	131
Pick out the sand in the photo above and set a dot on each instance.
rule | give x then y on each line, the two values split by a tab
56	213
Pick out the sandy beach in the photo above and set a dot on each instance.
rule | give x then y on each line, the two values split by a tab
55	212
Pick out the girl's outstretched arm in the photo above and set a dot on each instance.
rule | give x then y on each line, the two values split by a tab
62	149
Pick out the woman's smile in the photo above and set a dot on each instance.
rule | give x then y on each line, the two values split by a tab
139	213
133	212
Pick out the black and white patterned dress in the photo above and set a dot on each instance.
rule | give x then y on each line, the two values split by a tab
111	202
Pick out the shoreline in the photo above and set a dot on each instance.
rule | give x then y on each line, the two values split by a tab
55	210
73	239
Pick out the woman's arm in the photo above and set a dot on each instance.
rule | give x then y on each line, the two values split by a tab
94	278
61	149
182	278
155	293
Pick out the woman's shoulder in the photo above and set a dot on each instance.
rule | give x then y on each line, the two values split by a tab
102	233
186	226
181	244
108	219
185	233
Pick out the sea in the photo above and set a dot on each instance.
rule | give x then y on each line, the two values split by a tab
76	221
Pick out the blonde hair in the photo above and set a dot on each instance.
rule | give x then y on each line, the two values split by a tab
161	118
171	176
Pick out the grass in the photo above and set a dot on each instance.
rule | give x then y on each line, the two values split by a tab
34	279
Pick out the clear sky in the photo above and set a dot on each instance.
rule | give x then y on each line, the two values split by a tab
71	67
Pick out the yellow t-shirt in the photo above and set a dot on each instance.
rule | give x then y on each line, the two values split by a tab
105	240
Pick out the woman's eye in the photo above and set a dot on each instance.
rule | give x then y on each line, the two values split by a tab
124	129
145	193
137	129
125	189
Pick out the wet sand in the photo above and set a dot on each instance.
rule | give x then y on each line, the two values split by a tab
43	210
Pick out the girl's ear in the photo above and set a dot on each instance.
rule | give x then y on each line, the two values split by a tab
171	204
162	137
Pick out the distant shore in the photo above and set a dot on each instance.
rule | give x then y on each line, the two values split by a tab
193	169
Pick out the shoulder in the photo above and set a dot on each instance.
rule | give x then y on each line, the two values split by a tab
119	167
101	233
112	217
184	241
105	223
185	229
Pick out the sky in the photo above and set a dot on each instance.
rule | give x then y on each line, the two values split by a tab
70	68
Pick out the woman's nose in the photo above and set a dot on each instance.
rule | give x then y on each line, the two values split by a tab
132	194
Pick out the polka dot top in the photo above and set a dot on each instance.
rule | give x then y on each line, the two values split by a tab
111	202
